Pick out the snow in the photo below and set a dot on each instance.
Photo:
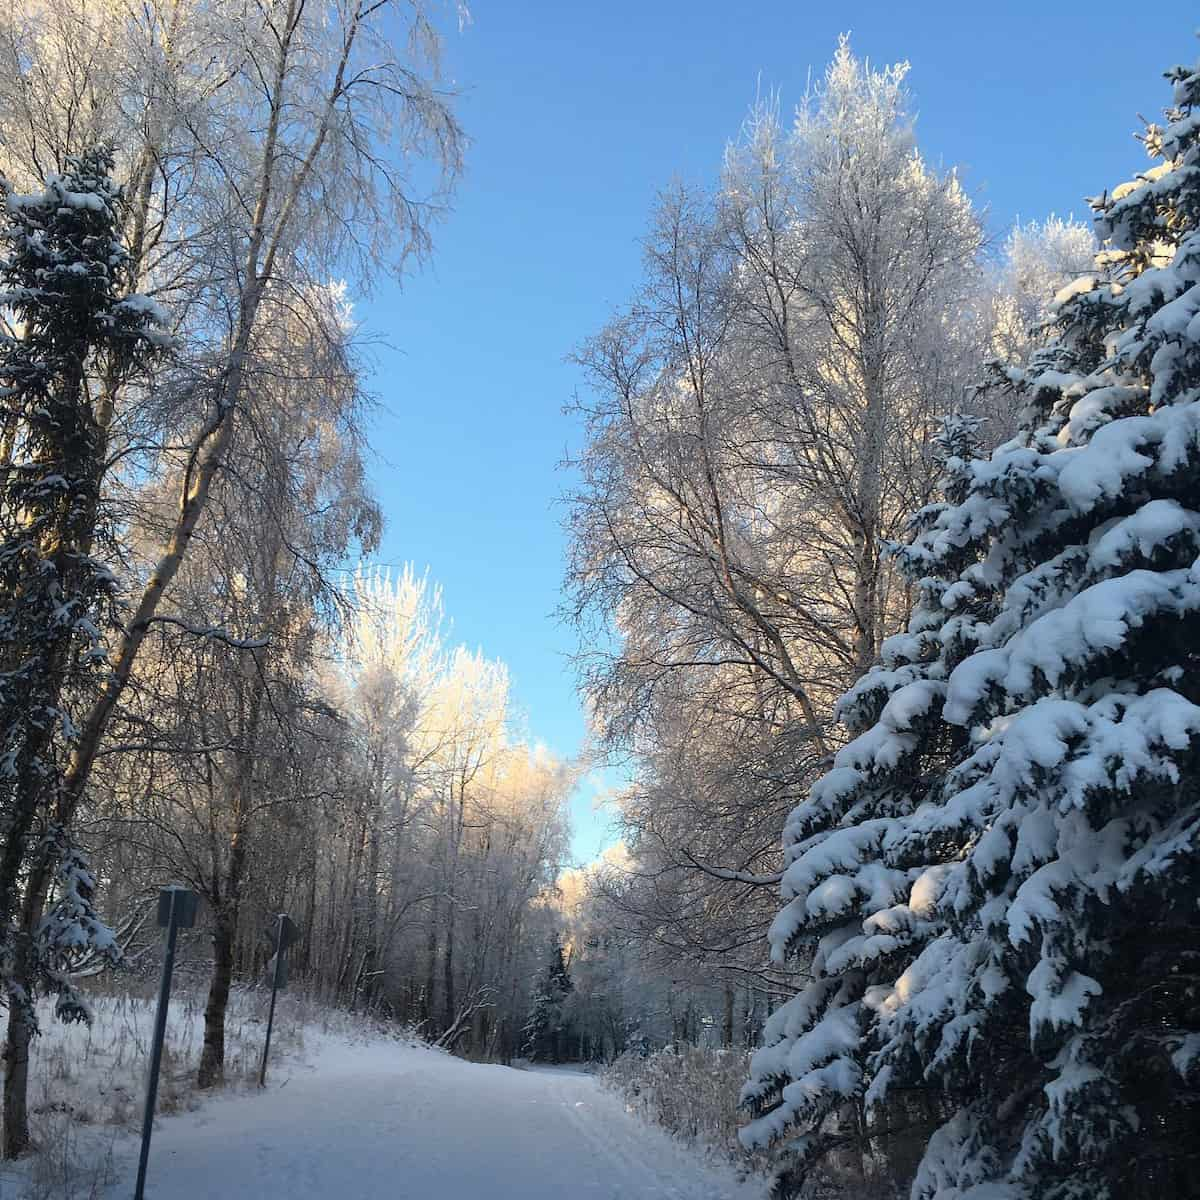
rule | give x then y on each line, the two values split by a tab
1151	527
143	306
949	1171
1121	453
1085	283
395	1121
1187	1055
922	900
351	1111
1098	620
815	883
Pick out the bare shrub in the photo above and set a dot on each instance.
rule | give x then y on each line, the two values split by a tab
691	1091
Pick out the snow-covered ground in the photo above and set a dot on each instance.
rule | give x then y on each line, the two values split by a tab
379	1119
349	1113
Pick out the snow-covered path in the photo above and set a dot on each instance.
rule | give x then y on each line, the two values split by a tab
383	1121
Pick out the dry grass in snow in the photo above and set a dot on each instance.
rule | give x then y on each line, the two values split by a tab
88	1085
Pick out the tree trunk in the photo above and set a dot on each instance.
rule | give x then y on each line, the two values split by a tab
370	965
225	928
16	1083
866	598
212	1058
310	916
16	1066
345	979
431	947
448	966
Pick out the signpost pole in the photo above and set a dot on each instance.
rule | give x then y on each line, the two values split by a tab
280	950
176	910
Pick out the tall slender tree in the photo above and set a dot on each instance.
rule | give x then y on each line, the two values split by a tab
64	276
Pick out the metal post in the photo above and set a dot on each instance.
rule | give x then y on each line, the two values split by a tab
279	952
160	1029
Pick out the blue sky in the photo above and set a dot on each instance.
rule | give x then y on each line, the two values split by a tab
578	115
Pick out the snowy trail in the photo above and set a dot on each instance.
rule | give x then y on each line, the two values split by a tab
382	1121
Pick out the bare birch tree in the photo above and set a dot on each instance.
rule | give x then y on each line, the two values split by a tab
759	426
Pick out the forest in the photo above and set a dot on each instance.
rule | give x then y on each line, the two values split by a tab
882	563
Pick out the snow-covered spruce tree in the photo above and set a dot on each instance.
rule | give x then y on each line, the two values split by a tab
849	876
545	1031
1020	930
70	331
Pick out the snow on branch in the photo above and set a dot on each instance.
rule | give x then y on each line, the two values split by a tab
214	632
